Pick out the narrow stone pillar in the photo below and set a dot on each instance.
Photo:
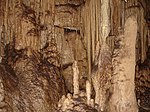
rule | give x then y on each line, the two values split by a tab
88	92
92	103
75	78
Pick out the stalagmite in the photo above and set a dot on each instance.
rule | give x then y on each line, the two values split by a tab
88	92
75	78
1	91
123	98
2	96
92	103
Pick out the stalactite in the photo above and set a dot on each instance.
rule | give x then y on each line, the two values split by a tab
115	16
97	29
2	40
6	21
101	77
105	19
111	17
122	14
141	26
93	28
148	37
88	43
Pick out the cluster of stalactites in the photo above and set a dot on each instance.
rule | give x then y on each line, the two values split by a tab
29	23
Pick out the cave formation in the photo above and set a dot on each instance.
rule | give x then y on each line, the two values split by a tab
74	56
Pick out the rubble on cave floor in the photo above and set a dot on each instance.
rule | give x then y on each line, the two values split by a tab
76	103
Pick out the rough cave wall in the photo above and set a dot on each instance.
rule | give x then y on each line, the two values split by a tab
40	40
47	36
30	65
142	82
120	11
70	45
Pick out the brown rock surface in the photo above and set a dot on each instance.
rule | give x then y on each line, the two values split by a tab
29	84
40	40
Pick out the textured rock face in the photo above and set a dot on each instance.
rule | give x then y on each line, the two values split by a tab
46	38
29	84
142	82
40	40
69	40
